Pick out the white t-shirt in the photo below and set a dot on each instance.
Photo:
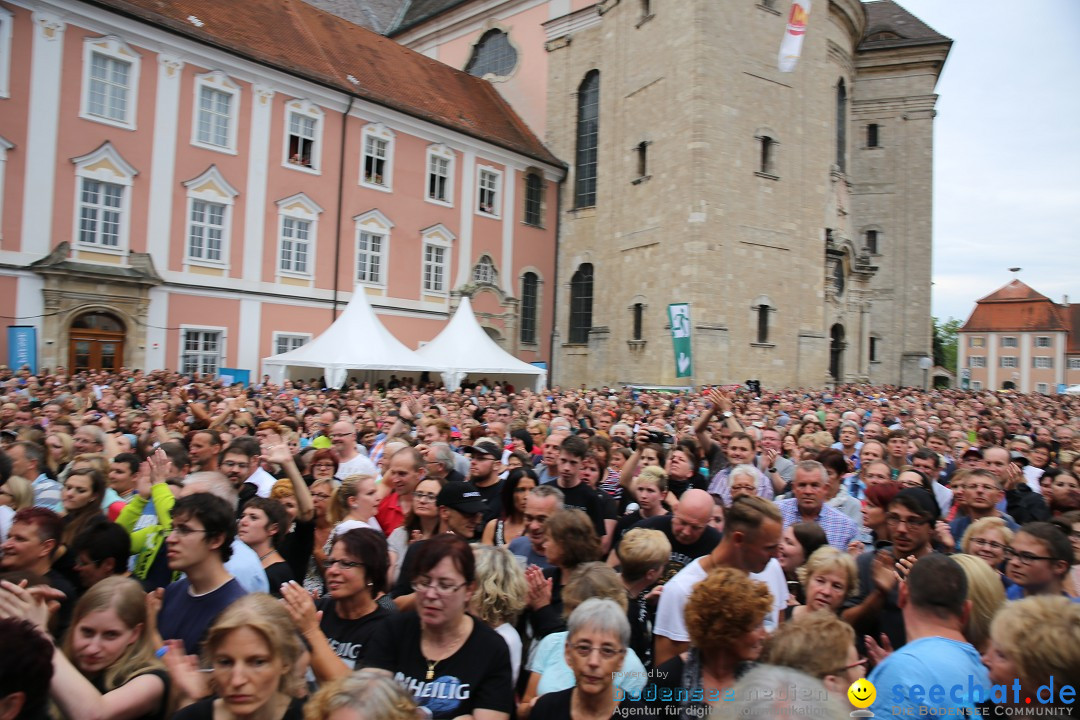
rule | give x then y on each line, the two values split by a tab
263	482
513	641
670	617
359	465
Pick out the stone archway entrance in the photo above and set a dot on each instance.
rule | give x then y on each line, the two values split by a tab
96	342
836	352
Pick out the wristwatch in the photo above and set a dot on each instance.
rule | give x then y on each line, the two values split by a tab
727	415
771	470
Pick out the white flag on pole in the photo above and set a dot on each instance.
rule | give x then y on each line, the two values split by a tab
791	45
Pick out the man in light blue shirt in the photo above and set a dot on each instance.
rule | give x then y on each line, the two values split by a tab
937	672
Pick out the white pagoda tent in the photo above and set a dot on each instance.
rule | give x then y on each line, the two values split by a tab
464	350
357	344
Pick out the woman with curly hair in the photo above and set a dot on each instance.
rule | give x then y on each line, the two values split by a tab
364	694
725	618
500	596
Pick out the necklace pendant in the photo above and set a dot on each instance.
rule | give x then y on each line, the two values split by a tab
430	671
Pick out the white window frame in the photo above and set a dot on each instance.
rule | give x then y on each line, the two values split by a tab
494	272
219	81
298	207
1009	341
444	153
378	131
210	187
976	385
977	341
7	21
1042	388
977	361
436	236
1074	363
374	223
222	338
307	109
1043	341
1042	362
277	337
111	48
1013	361
483	171
104	165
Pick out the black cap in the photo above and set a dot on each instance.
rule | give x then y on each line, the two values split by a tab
1018	457
484	447
463	497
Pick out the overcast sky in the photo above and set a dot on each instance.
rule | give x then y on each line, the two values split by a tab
1007	149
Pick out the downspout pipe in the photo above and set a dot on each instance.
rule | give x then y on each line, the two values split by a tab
340	195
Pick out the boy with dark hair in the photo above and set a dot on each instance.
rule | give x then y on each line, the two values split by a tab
203	527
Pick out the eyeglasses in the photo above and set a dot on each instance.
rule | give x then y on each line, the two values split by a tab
421	586
345	564
983	542
426	496
585	650
324	465
860	663
342	435
911	522
321	496
184	530
1025	558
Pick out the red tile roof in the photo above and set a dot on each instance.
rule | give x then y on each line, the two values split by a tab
1072	313
305	41
1016	307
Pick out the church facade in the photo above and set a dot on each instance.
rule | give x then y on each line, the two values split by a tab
792	211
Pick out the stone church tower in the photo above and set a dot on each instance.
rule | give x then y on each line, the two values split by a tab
792	211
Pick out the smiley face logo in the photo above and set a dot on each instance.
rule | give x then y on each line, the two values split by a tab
862	693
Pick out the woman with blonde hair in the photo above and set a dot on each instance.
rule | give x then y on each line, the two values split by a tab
1031	641
353	504
829	577
17	493
59	449
987	596
251	649
987	538
373	694
819	644
107	668
500	596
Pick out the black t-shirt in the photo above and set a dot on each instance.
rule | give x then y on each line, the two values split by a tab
556	706
625	523
678	487
681	555
160	713
204	710
297	547
492	494
583	497
476	676
278	574
349	638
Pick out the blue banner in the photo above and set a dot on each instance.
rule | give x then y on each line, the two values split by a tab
234	376
22	347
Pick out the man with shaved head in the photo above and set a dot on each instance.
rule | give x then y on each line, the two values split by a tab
687	529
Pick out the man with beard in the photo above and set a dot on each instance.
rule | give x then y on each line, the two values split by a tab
875	611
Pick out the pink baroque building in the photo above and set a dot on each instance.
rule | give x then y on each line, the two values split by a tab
200	184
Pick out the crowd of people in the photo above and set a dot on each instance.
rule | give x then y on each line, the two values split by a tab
176	547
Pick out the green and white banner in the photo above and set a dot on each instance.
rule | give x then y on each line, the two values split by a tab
679	315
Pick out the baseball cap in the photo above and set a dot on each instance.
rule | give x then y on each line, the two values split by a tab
1018	457
462	496
484	447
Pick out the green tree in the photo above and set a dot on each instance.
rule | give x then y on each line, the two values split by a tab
946	337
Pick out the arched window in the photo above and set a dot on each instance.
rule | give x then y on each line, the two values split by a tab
484	272
534	199
763	324
588	138
530	287
581	295
841	126
492	55
639	316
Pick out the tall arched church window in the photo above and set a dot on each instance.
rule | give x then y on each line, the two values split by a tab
588	139
581	297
